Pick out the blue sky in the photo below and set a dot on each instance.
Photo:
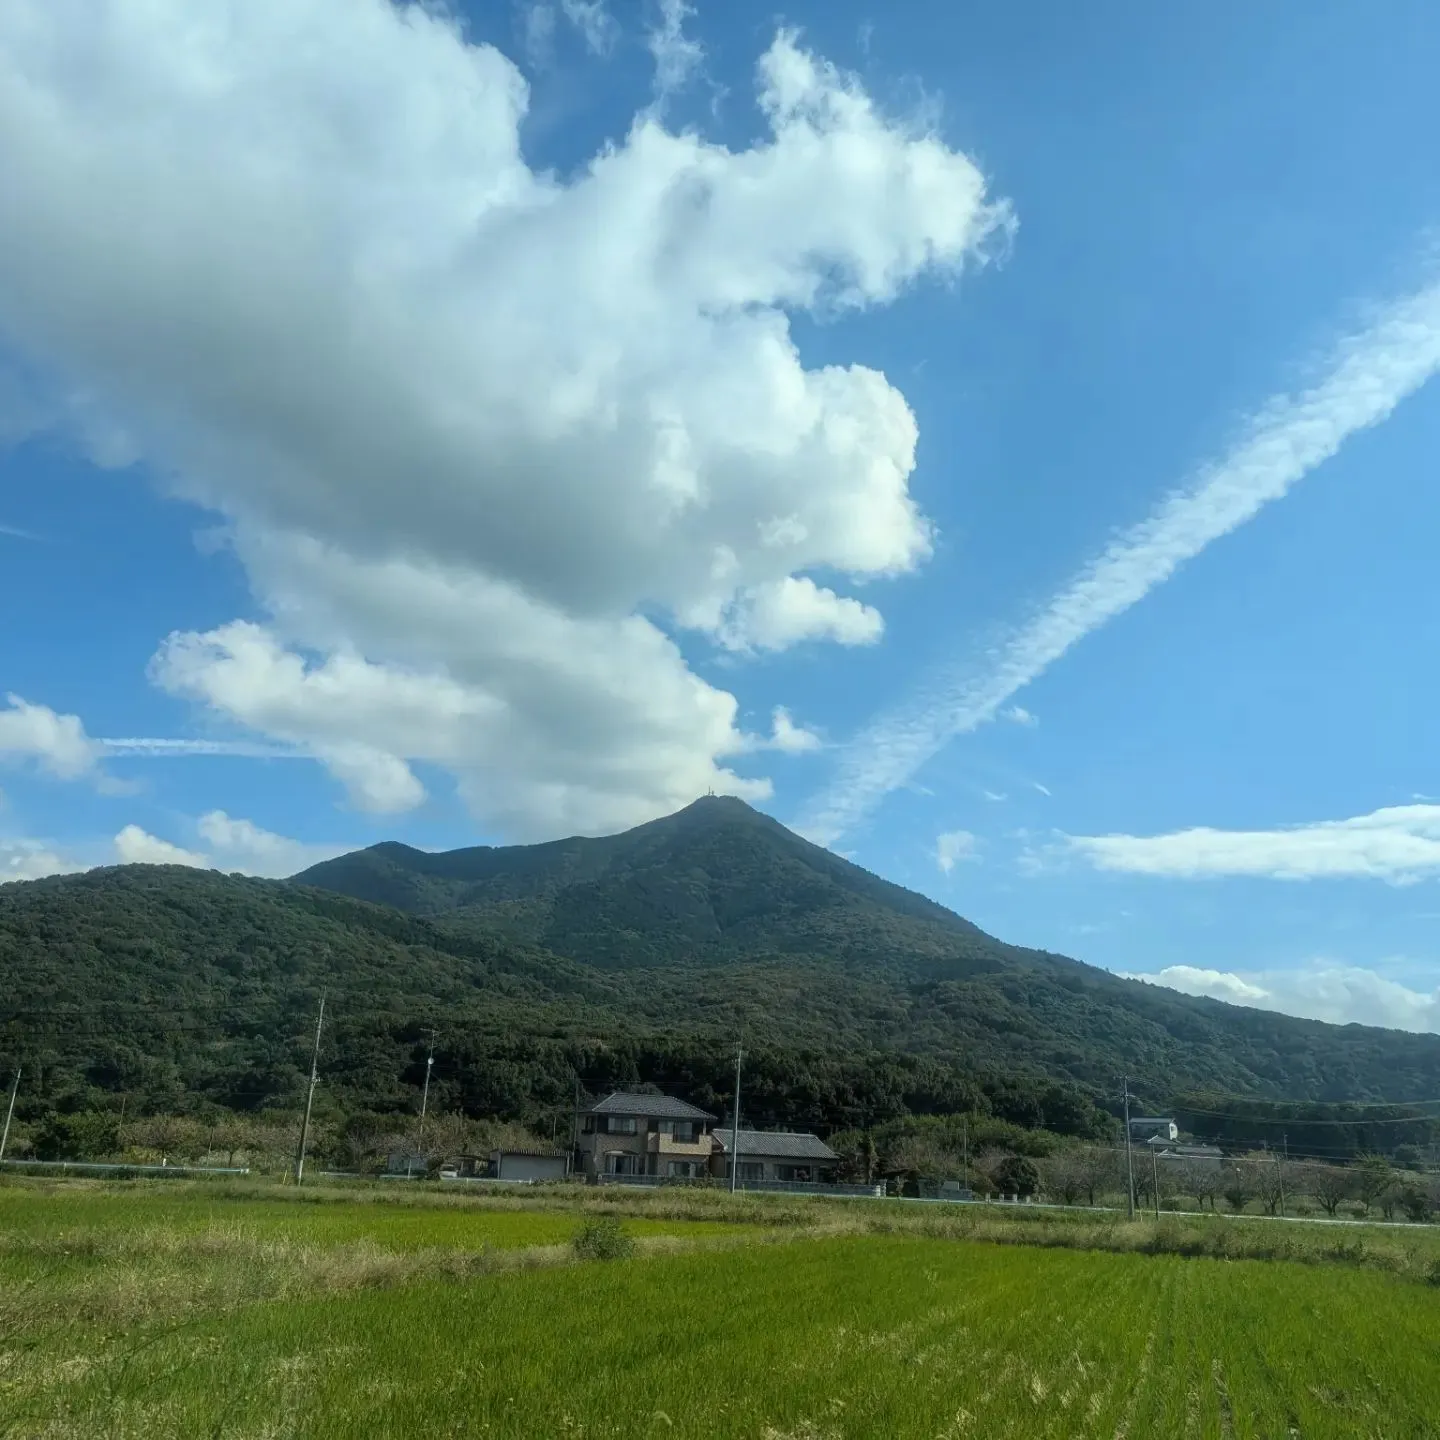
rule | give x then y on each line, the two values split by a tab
485	429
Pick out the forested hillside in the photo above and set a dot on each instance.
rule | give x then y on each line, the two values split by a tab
641	958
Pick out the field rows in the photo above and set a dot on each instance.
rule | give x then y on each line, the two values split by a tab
832	1337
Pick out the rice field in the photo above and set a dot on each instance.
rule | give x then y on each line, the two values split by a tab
823	1331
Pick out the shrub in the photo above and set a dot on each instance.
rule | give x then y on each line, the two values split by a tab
603	1238
88	1135
1416	1204
1016	1175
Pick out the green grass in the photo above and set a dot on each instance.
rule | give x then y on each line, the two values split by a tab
178	1311
61	1217
853	1337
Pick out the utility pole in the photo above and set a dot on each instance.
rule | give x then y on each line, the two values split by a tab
1155	1177
1284	1140
425	1093
310	1095
1129	1157
965	1149
735	1125
9	1114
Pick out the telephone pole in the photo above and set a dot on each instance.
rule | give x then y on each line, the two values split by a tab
735	1125
9	1114
1129	1158
1155	1177
1285	1141
310	1095
425	1093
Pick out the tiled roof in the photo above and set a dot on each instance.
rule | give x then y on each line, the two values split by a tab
656	1107
777	1145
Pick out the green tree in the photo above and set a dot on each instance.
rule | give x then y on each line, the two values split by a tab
1373	1177
1238	1189
1016	1175
86	1135
1330	1185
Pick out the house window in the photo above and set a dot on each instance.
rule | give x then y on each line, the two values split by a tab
622	1125
683	1131
749	1170
619	1163
683	1169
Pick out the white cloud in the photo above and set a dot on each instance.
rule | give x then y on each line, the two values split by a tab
1020	716
1341	994
242	845
14	532
159	747
134	846
57	743
480	435
779	615
1370	374
953	847
677	56
1400	844
597	26
1044	790
32	860
995	795
789	738
233	845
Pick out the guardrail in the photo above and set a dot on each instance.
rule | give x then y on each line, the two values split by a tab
114	1167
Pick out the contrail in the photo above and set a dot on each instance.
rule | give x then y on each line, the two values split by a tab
241	749
1370	373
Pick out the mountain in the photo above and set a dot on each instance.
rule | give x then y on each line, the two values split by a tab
713	883
639	957
719	884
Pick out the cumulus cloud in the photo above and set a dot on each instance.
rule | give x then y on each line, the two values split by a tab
788	737
134	846
779	615
237	844
1369	374
1341	994
1400	844
484	438
232	845
32	860
57	743
953	847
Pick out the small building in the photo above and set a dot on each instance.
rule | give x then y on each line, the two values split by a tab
1144	1127
775	1156
406	1162
655	1136
535	1167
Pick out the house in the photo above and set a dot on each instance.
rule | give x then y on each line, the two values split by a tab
644	1135
1144	1127
533	1166
774	1155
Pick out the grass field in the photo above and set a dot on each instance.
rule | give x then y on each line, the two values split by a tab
128	1311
